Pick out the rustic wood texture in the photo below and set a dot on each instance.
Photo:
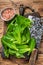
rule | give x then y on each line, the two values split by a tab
35	4
14	60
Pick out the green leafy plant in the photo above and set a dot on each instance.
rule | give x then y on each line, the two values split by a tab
17	40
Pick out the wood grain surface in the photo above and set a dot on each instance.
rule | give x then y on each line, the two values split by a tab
35	4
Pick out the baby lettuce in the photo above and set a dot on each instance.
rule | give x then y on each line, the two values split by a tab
17	40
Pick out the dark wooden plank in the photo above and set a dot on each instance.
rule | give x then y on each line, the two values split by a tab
33	57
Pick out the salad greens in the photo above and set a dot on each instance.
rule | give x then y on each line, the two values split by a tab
17	40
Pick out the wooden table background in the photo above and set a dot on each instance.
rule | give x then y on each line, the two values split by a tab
35	4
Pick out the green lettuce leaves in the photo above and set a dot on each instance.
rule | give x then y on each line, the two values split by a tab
17	40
